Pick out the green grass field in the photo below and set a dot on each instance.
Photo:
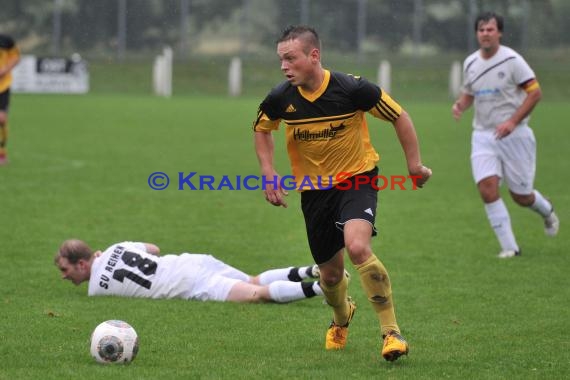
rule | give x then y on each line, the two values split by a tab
79	168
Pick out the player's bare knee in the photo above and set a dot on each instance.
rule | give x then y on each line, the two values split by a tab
489	189
524	200
255	297
489	194
261	294
357	248
331	277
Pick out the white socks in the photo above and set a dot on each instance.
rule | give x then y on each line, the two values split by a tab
541	205
501	223
287	291
283	274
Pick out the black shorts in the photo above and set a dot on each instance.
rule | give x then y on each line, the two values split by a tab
327	211
5	100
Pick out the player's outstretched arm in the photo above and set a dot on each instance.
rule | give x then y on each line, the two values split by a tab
408	139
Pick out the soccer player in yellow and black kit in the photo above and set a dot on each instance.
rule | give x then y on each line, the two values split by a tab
9	58
334	163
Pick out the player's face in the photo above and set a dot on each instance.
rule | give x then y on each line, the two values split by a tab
297	66
489	36
75	273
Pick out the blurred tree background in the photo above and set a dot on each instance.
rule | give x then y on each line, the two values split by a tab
119	38
119	28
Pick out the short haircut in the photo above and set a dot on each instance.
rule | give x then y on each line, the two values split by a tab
74	250
305	33
6	42
488	16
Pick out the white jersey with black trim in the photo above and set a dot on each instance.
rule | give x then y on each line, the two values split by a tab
126	269
495	84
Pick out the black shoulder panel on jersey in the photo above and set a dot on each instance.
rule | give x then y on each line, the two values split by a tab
345	94
363	94
272	104
6	42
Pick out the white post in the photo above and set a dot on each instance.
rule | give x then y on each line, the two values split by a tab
167	73
162	73
156	77
385	76
234	77
455	79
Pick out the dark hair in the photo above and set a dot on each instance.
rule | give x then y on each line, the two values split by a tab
6	42
488	16
309	36
74	250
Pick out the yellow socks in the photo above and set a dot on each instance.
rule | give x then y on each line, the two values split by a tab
3	135
3	140
376	283
336	297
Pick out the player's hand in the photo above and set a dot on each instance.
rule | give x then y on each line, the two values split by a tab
456	111
420	175
275	194
504	129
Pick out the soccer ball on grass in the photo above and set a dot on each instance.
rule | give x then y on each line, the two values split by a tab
114	341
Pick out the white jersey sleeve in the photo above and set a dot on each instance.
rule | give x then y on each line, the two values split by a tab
495	84
126	269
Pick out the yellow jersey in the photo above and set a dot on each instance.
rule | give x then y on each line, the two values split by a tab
326	131
8	52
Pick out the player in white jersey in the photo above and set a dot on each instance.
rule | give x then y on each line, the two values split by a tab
504	90
131	269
